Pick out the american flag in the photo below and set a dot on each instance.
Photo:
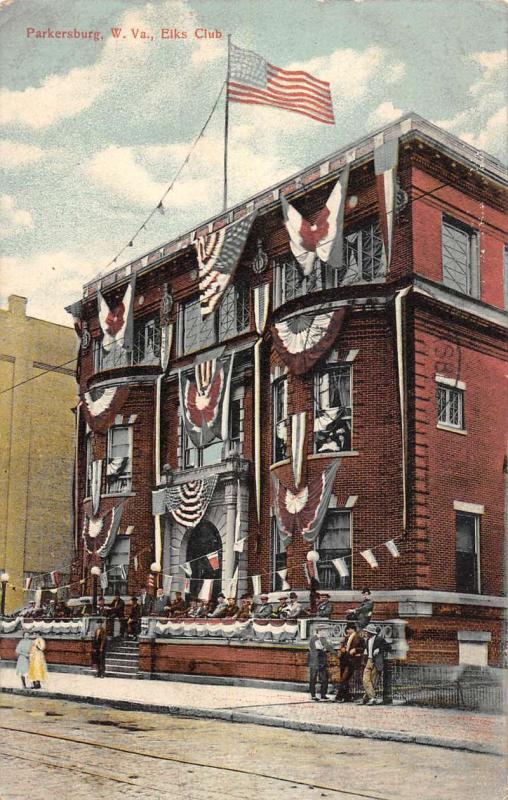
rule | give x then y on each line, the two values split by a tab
255	81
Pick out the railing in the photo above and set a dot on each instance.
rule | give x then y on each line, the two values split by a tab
145	351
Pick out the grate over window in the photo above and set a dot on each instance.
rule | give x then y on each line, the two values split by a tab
450	406
234	311
459	256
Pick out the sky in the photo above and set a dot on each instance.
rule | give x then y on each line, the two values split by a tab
93	130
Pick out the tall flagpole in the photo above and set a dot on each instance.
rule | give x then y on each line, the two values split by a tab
226	130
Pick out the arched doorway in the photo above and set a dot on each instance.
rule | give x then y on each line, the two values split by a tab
203	540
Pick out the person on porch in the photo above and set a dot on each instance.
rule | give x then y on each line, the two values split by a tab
219	608
134	619
177	607
263	610
363	614
293	609
117	611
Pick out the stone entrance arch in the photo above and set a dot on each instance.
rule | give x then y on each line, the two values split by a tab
203	540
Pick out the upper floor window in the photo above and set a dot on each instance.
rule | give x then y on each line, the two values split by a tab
334	541
290	283
332	409
460	256
147	341
450	406
234	311
280	419
196	331
236	423
119	459
364	255
467	528
118	565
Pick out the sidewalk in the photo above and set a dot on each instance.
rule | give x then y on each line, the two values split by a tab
458	730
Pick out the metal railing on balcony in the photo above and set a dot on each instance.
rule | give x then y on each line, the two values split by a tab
145	351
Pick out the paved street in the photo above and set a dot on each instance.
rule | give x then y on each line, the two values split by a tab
68	750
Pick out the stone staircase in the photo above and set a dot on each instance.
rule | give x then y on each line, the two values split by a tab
122	659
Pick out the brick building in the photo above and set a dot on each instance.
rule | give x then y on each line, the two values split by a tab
366	404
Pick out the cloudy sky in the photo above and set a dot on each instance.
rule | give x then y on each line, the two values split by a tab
92	132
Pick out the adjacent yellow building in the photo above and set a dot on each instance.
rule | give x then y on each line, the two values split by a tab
37	430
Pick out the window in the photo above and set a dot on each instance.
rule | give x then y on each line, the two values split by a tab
280	419
234	311
118	566
279	557
118	462
235	423
364	256
467	552
290	283
460	257
147	341
334	541
450	406
332	409
200	456
196	331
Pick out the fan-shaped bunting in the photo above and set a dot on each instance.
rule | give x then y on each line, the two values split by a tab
303	339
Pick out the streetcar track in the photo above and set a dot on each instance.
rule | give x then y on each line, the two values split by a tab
238	770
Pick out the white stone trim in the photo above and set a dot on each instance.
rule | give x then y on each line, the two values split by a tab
474	636
451	429
455	384
351	355
469	508
351	501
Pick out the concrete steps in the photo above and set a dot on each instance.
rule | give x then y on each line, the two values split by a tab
122	659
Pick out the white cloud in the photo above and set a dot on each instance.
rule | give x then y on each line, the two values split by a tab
49	280
117	170
493	134
16	154
12	218
385	112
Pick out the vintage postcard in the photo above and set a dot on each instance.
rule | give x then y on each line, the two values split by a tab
253	316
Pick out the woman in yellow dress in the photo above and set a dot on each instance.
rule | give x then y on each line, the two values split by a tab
37	670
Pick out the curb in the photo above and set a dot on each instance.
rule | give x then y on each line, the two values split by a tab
259	719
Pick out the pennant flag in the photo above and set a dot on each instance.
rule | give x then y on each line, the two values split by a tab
254	81
54	591
233	584
256	584
186	586
386	156
323	238
167	580
116	323
123	572
100	406
166	342
56	578
104	581
298	444
213	559
341	566
303	339
96	485
99	532
205	593
187	503
27	584
304	511
38	598
238	546
218	256
370	558
186	568
392	548
282	573
204	400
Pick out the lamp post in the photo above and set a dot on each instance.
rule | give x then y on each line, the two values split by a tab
94	572
4	579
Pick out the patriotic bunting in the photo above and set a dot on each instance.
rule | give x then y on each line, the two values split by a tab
99	532
100	406
305	510
218	255
323	238
204	400
116	323
392	548
254	81
297	444
386	156
96	485
205	593
187	503
303	339
213	559
256	584
341	567
370	558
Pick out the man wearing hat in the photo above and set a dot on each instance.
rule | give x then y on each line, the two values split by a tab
292	609
351	652
263	609
323	606
375	650
319	646
363	614
278	612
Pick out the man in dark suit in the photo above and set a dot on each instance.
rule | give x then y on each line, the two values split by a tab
134	618
99	644
363	614
263	610
375	650
351	652
145	602
317	661
117	609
